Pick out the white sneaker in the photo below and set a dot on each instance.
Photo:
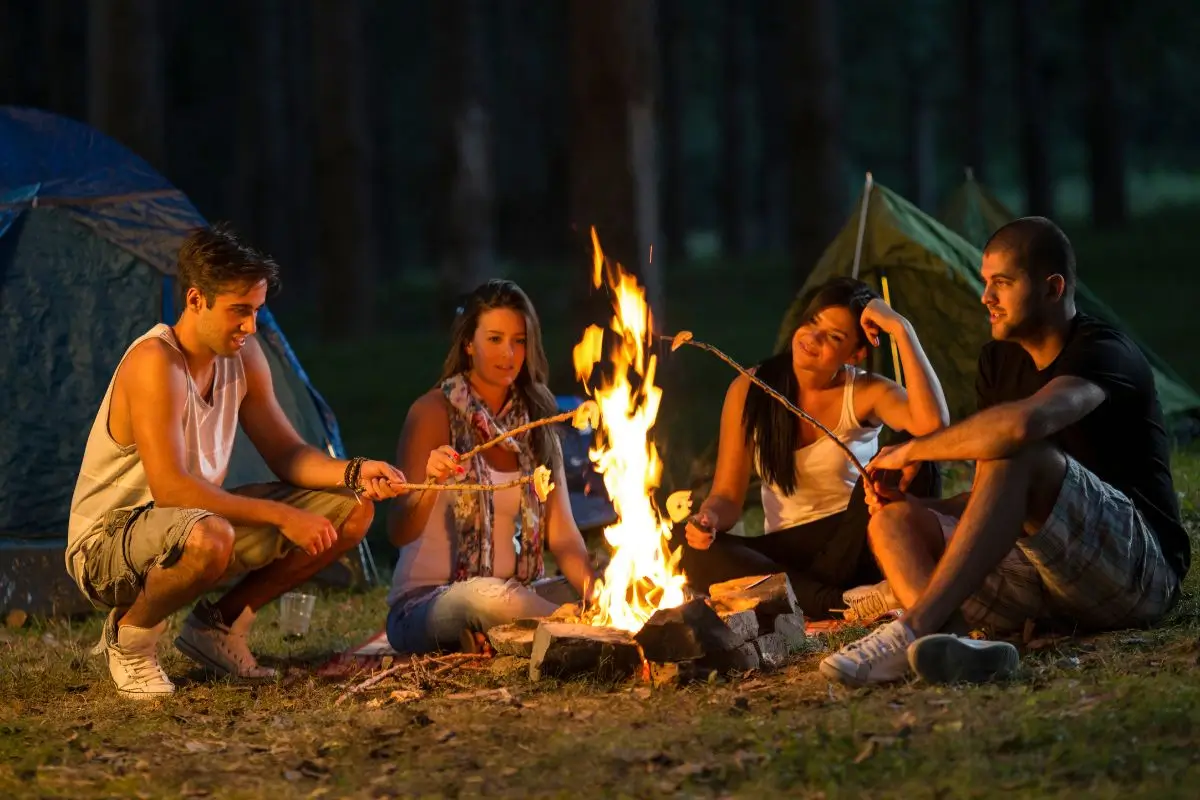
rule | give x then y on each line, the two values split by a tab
879	657
946	658
869	602
132	656
208	641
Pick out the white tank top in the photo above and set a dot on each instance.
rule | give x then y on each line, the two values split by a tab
112	476
429	559
824	476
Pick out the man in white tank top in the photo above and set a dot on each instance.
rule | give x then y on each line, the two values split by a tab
152	529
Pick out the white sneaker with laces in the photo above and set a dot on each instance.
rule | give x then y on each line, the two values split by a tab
869	602
208	641
132	656
879	657
946	658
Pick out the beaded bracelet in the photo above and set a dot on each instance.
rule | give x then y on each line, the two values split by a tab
353	467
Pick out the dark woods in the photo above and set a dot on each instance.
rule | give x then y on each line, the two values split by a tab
379	146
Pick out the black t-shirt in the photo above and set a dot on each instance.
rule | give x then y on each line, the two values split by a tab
1123	441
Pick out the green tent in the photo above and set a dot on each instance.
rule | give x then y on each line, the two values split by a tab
932	278
976	214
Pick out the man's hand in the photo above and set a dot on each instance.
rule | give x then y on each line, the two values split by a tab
879	317
883	495
896	457
701	530
380	480
311	532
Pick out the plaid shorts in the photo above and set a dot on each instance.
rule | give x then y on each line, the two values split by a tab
1094	565
111	565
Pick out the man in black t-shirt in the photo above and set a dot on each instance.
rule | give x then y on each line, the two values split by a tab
1073	515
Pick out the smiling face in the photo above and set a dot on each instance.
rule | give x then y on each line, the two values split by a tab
223	326
497	349
1017	304
827	341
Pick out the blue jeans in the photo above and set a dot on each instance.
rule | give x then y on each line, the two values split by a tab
478	604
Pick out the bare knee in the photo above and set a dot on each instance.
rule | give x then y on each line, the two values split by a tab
209	547
904	524
355	528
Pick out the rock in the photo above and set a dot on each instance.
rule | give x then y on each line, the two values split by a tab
791	628
685	633
744	624
767	595
772	650
515	638
563	649
740	659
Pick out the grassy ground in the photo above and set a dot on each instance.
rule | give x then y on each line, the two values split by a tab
1107	716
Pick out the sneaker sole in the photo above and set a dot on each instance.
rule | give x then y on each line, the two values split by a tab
186	647
943	658
144	695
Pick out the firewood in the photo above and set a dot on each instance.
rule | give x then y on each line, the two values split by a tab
743	623
515	638
684	633
562	649
767	595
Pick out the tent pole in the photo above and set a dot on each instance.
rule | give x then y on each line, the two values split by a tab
862	225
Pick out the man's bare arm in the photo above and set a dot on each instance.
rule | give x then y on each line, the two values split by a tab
1002	430
155	383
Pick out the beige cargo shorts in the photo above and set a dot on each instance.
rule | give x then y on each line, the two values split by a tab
129	542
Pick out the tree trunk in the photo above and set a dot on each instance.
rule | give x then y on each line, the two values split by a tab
971	15
262	200
736	110
345	247
613	174
1105	134
672	31
1035	158
125	76
465	222
818	189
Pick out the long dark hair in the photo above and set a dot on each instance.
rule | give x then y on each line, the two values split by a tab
534	376
771	430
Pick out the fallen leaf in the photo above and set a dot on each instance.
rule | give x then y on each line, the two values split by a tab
867	751
951	726
196	747
16	619
292	775
444	736
405	695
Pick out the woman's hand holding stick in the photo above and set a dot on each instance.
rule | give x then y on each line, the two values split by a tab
685	337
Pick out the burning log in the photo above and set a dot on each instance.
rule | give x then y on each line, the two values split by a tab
562	649
685	632
767	595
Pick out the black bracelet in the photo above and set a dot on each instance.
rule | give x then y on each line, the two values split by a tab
353	467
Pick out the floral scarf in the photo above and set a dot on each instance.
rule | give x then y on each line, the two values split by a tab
471	424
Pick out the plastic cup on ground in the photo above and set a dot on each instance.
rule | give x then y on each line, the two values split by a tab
295	613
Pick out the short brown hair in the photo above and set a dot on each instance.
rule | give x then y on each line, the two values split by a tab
213	259
1036	245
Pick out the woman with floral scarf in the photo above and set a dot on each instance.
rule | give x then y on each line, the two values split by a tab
471	560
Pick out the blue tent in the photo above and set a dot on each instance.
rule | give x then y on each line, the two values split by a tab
88	239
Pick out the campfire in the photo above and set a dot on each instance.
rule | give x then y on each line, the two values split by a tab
643	618
643	574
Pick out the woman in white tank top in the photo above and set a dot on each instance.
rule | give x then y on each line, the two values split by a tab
472	560
815	517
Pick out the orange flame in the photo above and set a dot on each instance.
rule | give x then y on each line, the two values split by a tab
643	574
